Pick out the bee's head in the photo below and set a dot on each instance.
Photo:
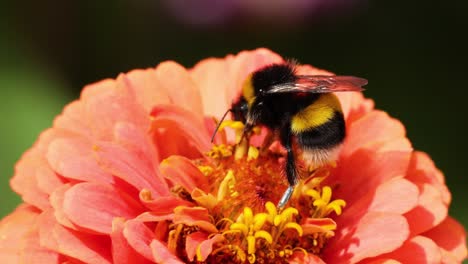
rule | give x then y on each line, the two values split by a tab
240	109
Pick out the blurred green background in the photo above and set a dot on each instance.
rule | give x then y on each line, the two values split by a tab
412	52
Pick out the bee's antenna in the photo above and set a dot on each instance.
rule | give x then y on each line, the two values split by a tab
219	124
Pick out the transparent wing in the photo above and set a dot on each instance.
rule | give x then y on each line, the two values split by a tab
320	84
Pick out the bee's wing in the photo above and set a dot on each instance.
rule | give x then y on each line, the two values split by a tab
320	84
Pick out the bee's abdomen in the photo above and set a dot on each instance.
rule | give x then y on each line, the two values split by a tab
325	136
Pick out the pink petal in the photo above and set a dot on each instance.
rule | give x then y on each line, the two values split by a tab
199	241
375	234
374	129
194	216
300	258
73	159
381	261
35	253
146	86
138	142
47	179
110	106
154	217
84	247
181	171
246	62
182	125
419	249
317	225
13	230
179	85
162	254
94	89
94	206
210	75
139	237
429	212
122	252
56	200
402	193
25	183
354	105
72	120
161	205
128	166
365	170
223	78
422	170
450	235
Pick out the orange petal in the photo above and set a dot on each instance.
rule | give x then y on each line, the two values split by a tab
450	235
71	119
194	216
154	217
93	206
162	205
128	166
180	86
162	254
181	171
47	179
25	183
73	158
33	252
429	212
375	130
220	80
139	237
192	243
147	89
122	253
13	229
422	170
381	261
365	170
300	258
199	247
110	106
318	225
402	193
56	200
137	142
84	247
173	118
375	234
418	249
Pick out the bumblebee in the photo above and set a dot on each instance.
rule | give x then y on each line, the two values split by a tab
300	110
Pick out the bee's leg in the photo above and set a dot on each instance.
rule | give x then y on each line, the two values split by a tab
291	170
267	141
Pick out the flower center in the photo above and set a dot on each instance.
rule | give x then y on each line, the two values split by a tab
245	186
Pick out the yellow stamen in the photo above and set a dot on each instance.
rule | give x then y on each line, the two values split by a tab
226	185
322	202
252	153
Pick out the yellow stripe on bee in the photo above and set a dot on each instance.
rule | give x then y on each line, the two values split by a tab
248	91
316	114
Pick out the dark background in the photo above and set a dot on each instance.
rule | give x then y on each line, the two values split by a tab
412	52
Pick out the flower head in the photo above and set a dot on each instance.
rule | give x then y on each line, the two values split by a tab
127	174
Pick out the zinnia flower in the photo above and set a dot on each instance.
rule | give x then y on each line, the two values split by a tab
127	174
